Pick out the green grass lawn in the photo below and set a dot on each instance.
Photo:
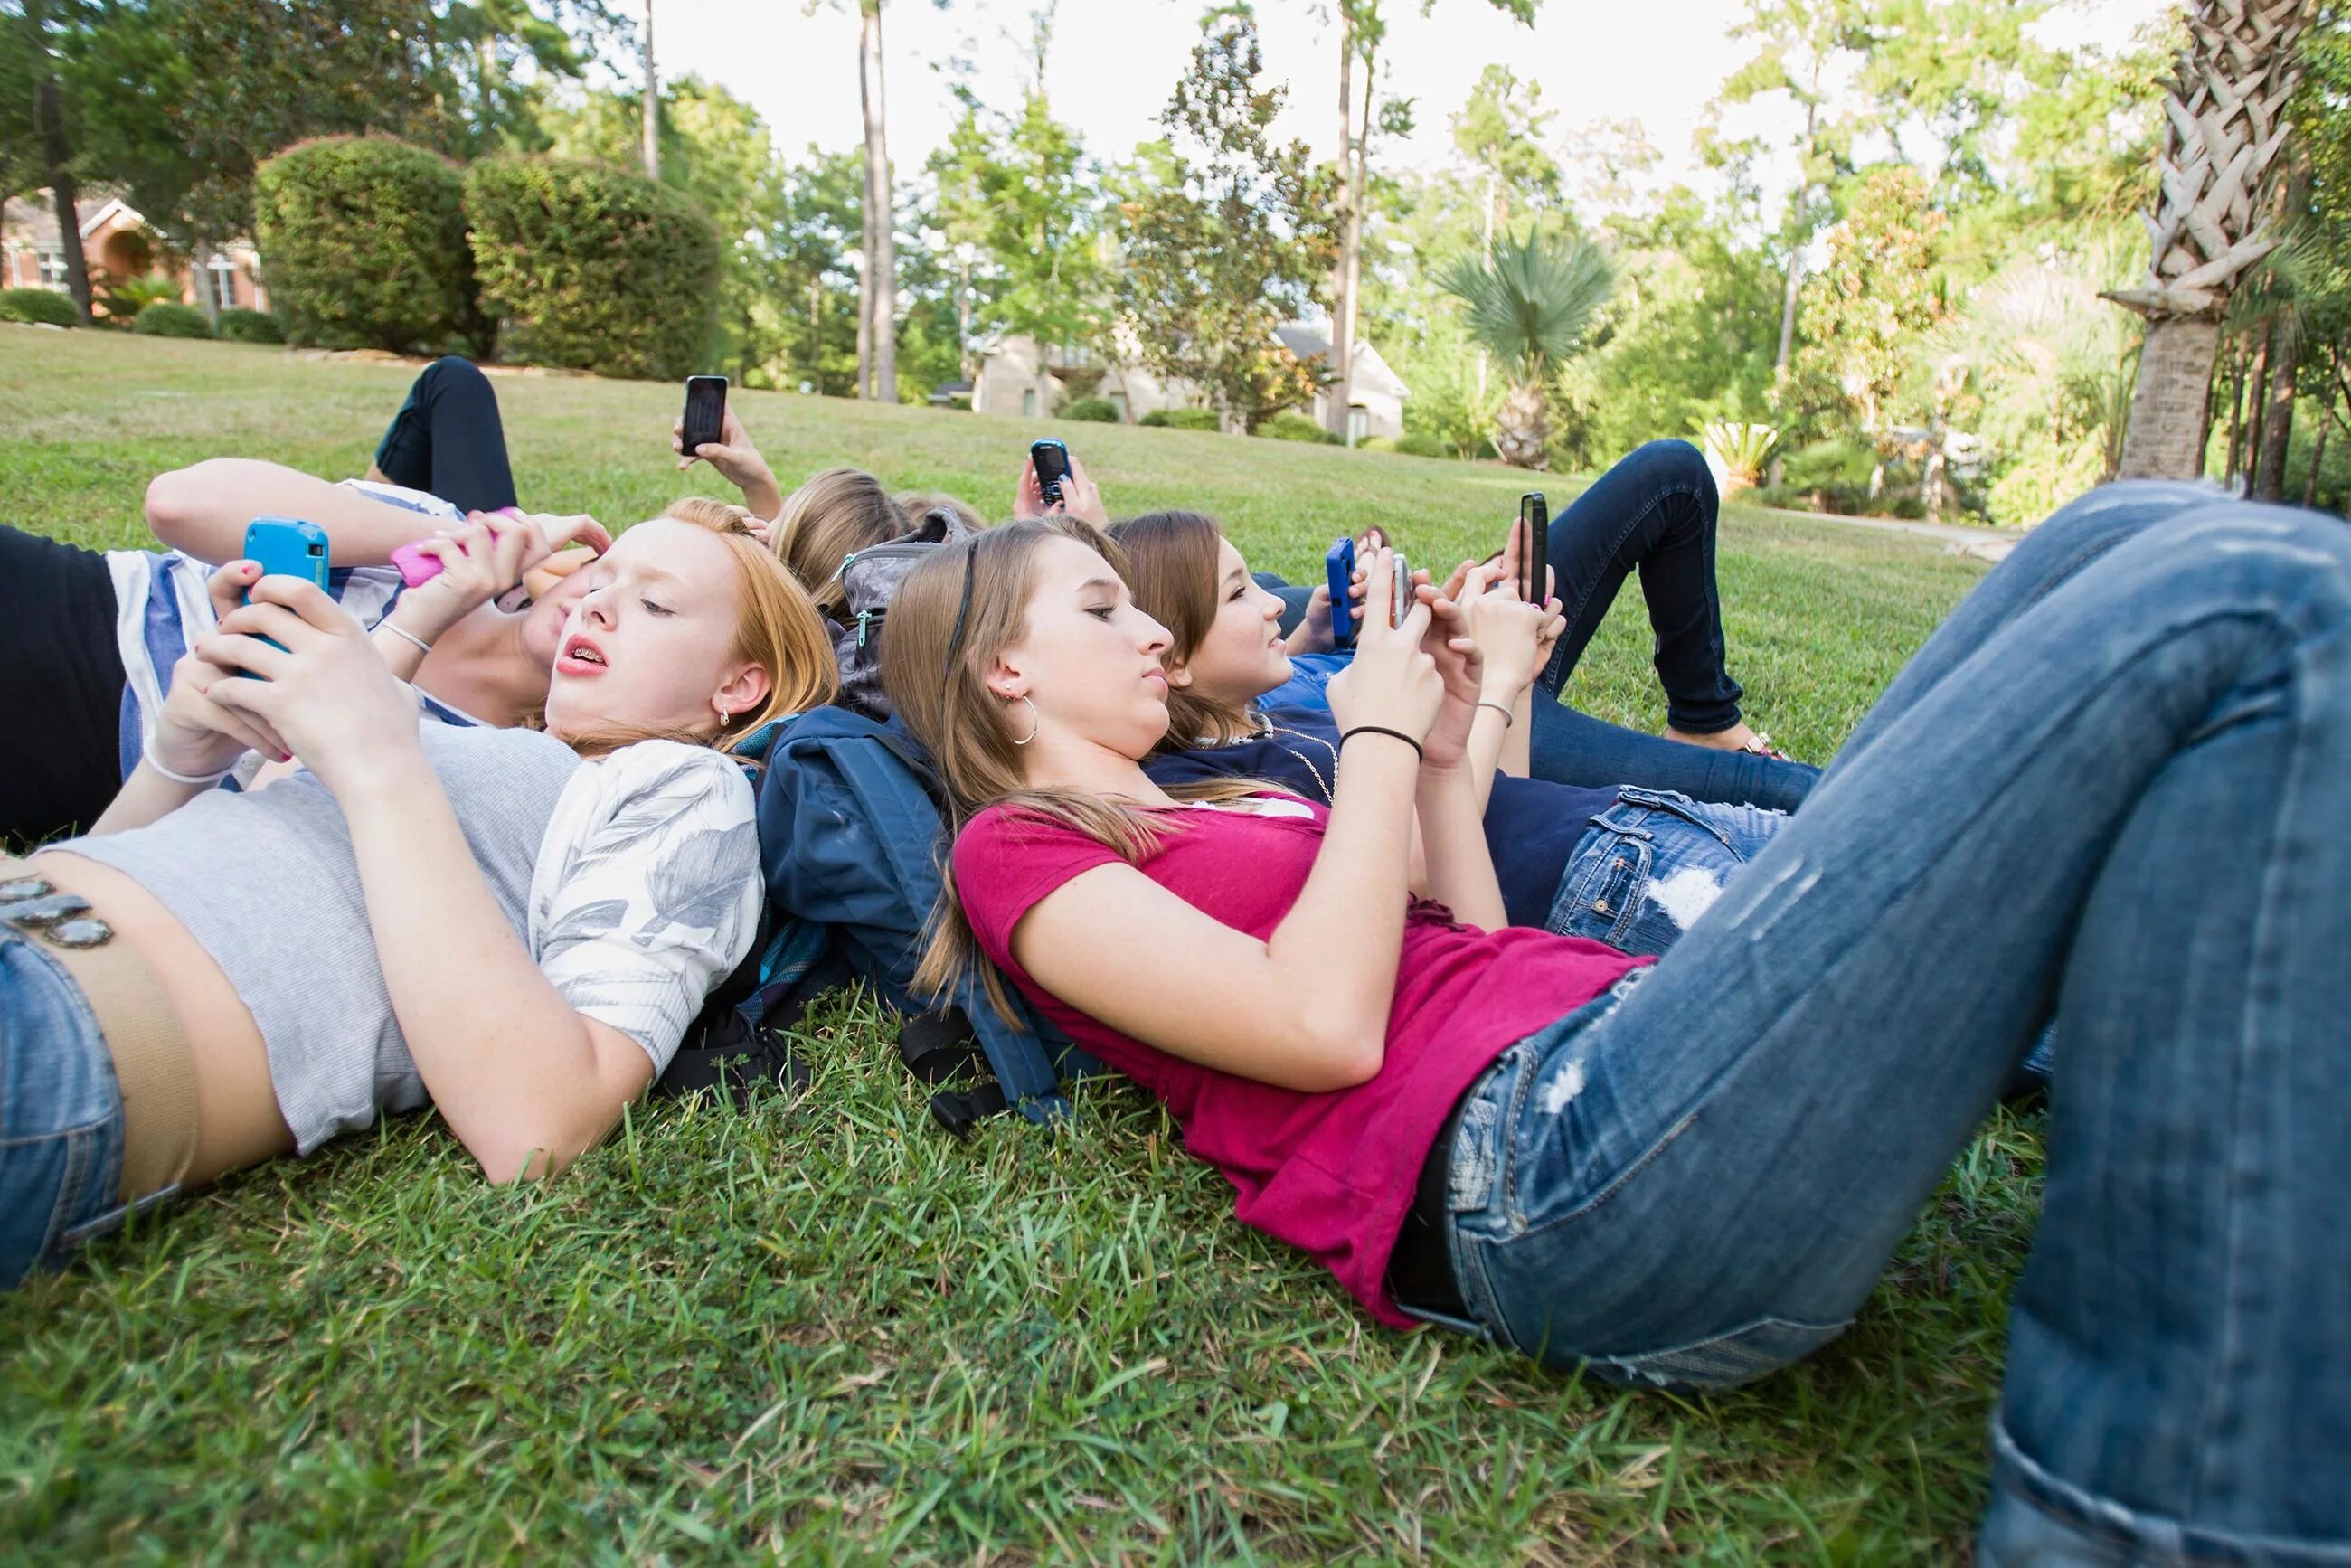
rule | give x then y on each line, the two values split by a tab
820	1329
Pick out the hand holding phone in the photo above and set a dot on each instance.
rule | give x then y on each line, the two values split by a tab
1051	459
285	547
1401	601
706	412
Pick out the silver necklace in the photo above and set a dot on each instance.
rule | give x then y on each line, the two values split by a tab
1264	728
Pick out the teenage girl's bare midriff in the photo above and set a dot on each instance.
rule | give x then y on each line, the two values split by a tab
237	1124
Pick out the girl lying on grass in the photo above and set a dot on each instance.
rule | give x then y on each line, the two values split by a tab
1628	865
515	926
2109	789
87	641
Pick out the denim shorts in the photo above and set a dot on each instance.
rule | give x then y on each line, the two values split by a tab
1649	865
60	1115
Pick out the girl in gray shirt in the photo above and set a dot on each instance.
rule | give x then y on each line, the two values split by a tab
515	926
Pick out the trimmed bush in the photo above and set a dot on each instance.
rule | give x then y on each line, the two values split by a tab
1375	443
365	245
1181	419
1420	443
1092	411
593	268
1291	425
165	319
249	327
40	306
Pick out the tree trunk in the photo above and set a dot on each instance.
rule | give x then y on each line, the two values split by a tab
2317	457
48	104
2277	425
1334	402
1522	426
651	135
2257	408
2242	353
2166	434
2224	116
880	282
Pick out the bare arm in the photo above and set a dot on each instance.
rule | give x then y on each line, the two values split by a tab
204	510
1307	1009
526	1082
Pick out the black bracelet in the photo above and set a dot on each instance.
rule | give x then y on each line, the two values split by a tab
1383	730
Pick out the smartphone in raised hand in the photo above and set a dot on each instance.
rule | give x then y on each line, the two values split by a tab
1339	570
1400	604
1534	569
1052	464
706	412
286	547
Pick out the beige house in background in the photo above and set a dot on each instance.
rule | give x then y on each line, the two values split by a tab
1023	379
118	246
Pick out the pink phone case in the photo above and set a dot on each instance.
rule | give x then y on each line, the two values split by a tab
417	568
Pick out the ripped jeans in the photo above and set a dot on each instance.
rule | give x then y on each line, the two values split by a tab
2110	791
1648	866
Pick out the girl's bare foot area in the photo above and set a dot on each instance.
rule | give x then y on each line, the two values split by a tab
1739	737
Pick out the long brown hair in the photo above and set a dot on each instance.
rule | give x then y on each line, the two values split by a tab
775	628
938	683
1171	568
835	513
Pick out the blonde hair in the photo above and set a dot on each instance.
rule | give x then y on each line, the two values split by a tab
945	702
1171	568
775	628
827	520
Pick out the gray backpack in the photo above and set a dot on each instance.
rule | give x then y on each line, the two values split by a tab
868	579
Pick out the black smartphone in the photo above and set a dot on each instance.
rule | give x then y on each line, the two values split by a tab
1533	567
706	412
1052	461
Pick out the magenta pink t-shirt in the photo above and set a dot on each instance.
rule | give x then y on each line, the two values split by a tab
1333	1174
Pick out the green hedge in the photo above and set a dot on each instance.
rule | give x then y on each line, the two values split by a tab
363	239
249	327
1420	443
41	306
1291	425
1092	411
165	319
593	268
1182	419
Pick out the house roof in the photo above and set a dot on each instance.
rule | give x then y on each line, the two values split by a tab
33	220
1368	372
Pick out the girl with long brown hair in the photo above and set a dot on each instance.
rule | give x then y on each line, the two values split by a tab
2109	789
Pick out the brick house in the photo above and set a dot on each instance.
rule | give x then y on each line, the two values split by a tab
118	246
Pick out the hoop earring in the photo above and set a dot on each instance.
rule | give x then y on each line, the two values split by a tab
1035	722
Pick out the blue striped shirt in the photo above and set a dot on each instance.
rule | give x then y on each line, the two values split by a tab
162	604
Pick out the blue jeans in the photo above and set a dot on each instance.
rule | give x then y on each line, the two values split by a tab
1654	512
1651	864
2111	790
60	1115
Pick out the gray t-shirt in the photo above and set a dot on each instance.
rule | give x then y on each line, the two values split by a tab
635	879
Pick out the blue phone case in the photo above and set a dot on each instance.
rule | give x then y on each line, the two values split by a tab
1338	566
286	547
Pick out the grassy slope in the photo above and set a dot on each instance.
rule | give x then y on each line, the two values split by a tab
820	1327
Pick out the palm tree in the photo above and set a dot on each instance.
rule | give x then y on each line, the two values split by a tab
2225	114
1530	312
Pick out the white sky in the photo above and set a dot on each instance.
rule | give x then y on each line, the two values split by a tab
1114	62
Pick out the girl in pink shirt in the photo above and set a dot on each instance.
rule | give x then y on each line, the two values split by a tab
2109	790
